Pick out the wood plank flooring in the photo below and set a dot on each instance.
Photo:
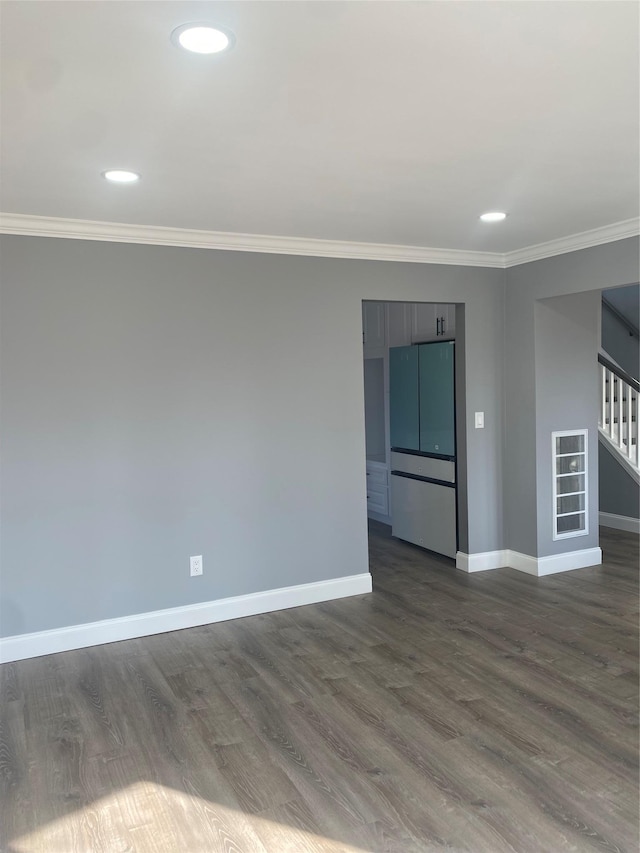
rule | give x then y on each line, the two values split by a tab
489	712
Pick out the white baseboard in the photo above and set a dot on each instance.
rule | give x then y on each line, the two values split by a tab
40	643
538	566
481	562
551	565
619	522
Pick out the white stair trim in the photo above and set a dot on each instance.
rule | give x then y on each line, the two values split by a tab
620	458
56	640
618	417
619	522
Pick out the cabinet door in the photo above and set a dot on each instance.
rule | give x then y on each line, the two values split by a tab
446	321
373	325
437	395
377	488
403	397
399	320
451	321
424	322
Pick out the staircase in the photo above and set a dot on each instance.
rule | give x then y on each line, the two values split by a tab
618	422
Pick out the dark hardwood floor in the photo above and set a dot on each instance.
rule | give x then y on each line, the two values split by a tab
488	712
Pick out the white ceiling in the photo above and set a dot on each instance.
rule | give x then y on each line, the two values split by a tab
385	122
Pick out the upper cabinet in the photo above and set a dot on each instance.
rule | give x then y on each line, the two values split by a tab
399	323
433	322
423	327
374	337
447	314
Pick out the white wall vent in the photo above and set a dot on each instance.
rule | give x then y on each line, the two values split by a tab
570	483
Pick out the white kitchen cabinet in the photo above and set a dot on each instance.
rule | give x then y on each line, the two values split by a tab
377	489
424	322
433	321
399	323
374	337
447	314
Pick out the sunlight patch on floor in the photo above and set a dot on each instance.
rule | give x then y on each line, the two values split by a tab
151	818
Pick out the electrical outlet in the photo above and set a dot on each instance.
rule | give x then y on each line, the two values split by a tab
195	565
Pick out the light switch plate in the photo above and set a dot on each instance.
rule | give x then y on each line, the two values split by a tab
479	420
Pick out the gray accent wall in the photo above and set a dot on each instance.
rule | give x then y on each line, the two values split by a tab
161	402
532	401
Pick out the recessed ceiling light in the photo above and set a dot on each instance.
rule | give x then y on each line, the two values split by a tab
203	38
121	176
493	216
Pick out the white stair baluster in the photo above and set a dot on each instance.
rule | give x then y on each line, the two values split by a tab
620	409
618	419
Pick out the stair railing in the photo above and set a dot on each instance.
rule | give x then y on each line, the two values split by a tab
619	408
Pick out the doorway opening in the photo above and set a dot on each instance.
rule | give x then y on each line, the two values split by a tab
412	393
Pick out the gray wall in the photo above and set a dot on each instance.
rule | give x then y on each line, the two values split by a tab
160	402
528	414
619	493
567	396
626	300
616	341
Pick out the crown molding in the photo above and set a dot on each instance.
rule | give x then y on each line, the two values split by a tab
156	235
117	232
574	242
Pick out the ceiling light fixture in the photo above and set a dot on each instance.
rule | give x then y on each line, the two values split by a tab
203	38
493	216
121	176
